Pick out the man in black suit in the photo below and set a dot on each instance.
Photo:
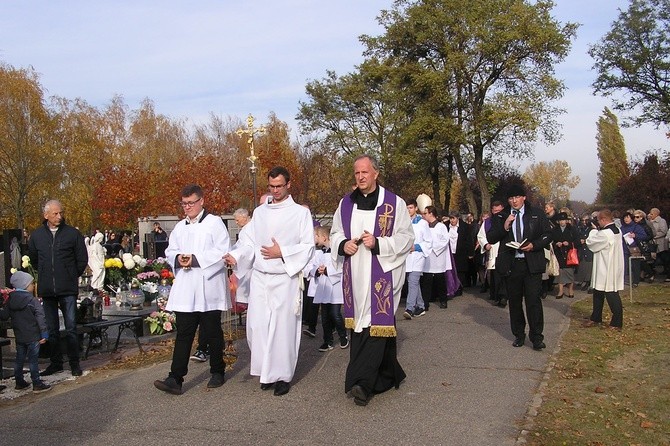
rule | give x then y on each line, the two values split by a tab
463	248
522	267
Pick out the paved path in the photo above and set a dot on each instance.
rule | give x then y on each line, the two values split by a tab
466	385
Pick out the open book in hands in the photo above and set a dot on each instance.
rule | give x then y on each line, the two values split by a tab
517	245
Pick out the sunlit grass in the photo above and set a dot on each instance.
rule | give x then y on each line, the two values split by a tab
609	387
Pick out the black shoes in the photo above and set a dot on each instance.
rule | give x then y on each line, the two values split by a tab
282	388
310	332
215	381
266	386
518	342
443	305
76	370
360	395
40	387
51	369
169	385
22	385
539	345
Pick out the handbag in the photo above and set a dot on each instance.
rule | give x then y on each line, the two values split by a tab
572	258
634	251
647	246
553	268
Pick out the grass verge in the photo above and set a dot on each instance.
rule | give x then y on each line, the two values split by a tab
609	387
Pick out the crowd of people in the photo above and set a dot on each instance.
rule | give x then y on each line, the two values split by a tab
380	250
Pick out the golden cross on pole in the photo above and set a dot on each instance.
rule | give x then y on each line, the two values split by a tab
250	131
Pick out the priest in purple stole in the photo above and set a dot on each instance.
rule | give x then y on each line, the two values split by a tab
373	235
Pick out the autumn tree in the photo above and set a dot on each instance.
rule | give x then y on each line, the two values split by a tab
551	180
633	59
486	71
647	185
79	139
218	139
274	148
31	164
612	156
357	113
469	82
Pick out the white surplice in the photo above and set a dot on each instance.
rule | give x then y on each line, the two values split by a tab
328	286
202	288
439	259
275	305
242	292
493	252
393	252
424	238
608	265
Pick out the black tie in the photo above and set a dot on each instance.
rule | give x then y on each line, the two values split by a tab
517	222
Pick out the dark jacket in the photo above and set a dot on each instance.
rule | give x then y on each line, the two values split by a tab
28	321
536	230
585	253
59	260
640	235
568	235
465	246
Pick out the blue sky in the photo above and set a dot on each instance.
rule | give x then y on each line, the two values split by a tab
233	58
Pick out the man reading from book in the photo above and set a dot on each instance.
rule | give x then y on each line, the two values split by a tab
525	232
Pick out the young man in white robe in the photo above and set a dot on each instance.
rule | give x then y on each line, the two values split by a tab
606	244
200	290
371	237
417	304
276	246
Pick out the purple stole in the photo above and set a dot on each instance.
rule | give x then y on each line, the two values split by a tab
451	276
381	283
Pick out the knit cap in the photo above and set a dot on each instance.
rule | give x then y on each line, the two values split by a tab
21	279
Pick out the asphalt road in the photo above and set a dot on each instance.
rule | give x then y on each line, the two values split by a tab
466	385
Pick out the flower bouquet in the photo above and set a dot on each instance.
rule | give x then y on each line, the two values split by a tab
114	274
148	282
163	268
161	322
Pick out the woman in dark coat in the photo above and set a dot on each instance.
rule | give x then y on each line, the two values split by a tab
632	233
583	273
564	237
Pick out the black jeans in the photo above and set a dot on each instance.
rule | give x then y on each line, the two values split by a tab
524	285
433	287
212	334
614	302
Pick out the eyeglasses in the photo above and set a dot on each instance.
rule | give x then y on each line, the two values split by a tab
188	204
280	186
637	217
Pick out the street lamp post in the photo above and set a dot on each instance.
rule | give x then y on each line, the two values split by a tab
250	131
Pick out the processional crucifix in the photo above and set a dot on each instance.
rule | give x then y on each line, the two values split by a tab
250	131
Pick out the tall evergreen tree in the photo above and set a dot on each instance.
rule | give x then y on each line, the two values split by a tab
612	155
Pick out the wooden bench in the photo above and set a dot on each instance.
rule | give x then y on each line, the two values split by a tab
99	329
